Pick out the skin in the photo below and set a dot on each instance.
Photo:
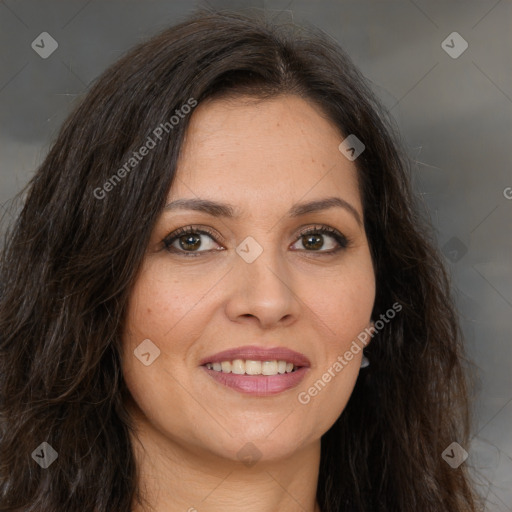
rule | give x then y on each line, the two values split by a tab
262	156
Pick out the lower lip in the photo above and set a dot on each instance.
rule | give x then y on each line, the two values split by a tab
259	385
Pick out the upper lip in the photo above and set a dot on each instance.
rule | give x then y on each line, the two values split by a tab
255	353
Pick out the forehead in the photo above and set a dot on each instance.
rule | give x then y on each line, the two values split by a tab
263	152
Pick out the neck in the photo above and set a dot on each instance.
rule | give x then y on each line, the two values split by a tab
174	477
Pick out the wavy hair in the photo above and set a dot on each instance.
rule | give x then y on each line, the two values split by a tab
71	258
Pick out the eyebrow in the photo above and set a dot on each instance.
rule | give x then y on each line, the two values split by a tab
226	210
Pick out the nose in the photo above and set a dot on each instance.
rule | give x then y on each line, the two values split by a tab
263	292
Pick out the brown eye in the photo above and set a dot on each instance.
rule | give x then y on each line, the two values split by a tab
187	241
314	239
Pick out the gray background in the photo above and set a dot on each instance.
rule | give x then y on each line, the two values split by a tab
455	116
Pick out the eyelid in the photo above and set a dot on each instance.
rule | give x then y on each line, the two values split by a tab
342	240
194	228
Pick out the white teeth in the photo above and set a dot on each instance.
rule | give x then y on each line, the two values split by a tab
238	367
269	368
226	366
251	367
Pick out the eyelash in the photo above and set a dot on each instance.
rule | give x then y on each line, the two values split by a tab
341	239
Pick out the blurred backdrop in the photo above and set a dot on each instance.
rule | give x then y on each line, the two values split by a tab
442	68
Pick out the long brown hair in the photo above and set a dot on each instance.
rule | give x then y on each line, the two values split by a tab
73	254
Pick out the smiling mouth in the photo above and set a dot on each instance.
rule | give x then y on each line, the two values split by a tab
252	367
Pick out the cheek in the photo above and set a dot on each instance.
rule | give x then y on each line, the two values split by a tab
157	311
345	302
159	301
163	309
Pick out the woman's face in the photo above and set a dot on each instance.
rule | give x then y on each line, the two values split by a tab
251	279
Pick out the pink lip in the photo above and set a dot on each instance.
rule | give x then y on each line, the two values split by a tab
256	353
259	385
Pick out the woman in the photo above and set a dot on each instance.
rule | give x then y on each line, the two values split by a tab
221	229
